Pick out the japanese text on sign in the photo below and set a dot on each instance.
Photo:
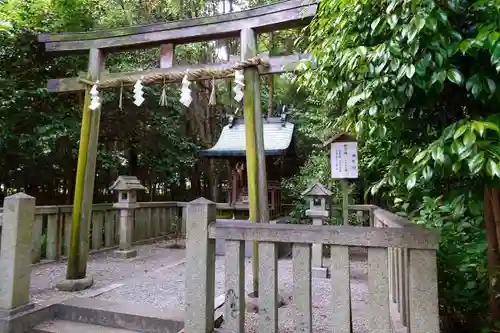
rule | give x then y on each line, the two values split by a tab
344	160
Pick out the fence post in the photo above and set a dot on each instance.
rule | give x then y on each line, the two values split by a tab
200	267
423	292
15	254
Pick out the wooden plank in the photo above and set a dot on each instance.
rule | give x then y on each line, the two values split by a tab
155	220
109	229
302	278
148	223
378	291
403	285
234	315
67	233
167	55
95	67
327	234
200	268
423	292
52	234
341	289
97	223
291	14
278	64
392	220
36	249
125	31
268	287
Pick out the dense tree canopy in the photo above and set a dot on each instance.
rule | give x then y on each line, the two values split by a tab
416	82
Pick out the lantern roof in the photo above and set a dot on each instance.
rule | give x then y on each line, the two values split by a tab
127	183
317	190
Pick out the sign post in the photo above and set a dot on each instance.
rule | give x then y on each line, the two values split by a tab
344	166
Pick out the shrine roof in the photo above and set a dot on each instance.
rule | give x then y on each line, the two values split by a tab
231	143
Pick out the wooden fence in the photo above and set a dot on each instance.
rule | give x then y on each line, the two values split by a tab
52	227
402	273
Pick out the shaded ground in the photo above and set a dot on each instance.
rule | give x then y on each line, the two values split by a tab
156	278
105	270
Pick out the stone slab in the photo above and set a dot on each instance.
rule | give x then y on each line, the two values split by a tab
319	272
11	312
122	315
125	254
24	321
64	326
75	285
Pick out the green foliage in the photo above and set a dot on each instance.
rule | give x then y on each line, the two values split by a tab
461	258
416	81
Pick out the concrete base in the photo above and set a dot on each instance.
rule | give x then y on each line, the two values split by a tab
125	254
75	285
10	312
319	272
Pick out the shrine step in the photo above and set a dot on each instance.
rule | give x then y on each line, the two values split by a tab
120	315
64	326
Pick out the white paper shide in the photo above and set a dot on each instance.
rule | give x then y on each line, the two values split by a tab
344	160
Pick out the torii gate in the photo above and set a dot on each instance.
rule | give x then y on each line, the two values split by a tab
245	24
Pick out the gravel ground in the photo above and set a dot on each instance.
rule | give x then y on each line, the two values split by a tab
156	278
164	289
104	269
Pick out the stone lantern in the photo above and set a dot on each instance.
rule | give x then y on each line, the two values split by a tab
317	194
126	187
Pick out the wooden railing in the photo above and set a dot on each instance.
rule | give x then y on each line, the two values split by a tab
52	227
409	280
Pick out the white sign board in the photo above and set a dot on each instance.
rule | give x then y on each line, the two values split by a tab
344	160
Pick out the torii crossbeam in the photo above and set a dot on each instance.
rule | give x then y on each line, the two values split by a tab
245	24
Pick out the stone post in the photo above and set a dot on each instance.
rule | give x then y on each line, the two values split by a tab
15	254
126	228
126	186
200	267
317	195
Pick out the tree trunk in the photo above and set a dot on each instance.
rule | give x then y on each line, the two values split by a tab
491	218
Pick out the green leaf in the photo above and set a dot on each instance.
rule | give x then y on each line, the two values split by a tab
476	163
373	110
493	37
353	100
375	23
464	45
491	126
412	33
410	71
438	154
431	23
392	20
409	91
476	89
491	85
420	156
460	131
478	127
391	7
443	17
469	138
411	181
492	168
455	76
439	59
419	22
456	166
427	173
